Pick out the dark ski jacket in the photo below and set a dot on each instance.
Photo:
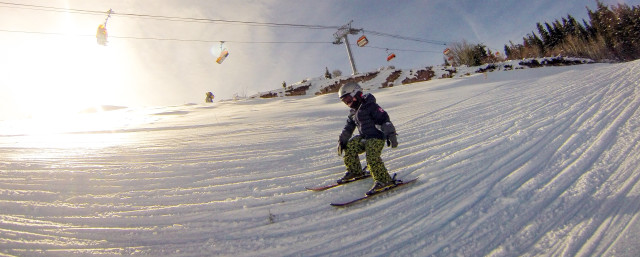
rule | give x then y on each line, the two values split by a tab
365	118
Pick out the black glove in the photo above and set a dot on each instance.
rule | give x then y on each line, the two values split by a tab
392	140
390	134
342	143
341	148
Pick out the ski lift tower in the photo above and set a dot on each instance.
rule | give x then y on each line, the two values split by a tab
342	33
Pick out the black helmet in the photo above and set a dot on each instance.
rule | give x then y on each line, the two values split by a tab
351	88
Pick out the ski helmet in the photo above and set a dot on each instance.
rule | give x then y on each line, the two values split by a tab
351	88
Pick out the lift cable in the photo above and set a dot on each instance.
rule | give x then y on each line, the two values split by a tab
402	50
435	42
166	39
168	18
207	20
211	41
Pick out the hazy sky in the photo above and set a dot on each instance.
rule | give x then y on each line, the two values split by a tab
50	62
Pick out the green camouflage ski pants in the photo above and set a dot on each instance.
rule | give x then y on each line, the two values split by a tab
373	148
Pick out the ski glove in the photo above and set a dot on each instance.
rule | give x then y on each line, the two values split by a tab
392	141
390	134
342	143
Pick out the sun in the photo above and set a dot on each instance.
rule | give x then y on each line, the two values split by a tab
59	74
53	65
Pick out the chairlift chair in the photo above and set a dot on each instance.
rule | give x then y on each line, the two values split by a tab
391	56
362	41
223	54
101	35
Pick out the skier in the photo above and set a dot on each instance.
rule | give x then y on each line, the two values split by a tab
209	98
367	115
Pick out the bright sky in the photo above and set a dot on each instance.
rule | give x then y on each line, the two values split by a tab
50	62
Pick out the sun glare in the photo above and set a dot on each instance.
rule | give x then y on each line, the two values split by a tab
65	79
61	74
94	130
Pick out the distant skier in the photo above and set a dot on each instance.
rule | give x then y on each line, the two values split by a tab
367	116
209	98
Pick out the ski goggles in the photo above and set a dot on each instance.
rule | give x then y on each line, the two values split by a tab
347	99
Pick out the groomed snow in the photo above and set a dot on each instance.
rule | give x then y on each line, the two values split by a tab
535	162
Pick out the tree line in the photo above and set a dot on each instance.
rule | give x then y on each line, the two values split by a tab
612	33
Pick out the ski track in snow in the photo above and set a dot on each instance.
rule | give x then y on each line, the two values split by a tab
536	162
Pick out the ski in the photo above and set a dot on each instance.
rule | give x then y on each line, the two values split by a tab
335	184
344	204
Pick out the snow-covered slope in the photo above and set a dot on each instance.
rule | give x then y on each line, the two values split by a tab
390	77
521	163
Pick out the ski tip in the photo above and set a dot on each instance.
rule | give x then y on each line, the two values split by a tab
317	188
343	204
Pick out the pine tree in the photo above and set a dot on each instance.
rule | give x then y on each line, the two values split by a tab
559	33
507	51
623	35
572	27
591	32
327	75
602	20
552	36
635	27
546	38
580	31
479	54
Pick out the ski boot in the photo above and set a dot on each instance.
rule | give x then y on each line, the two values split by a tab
352	176
379	186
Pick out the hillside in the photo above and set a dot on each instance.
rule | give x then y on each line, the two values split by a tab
390	77
529	162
